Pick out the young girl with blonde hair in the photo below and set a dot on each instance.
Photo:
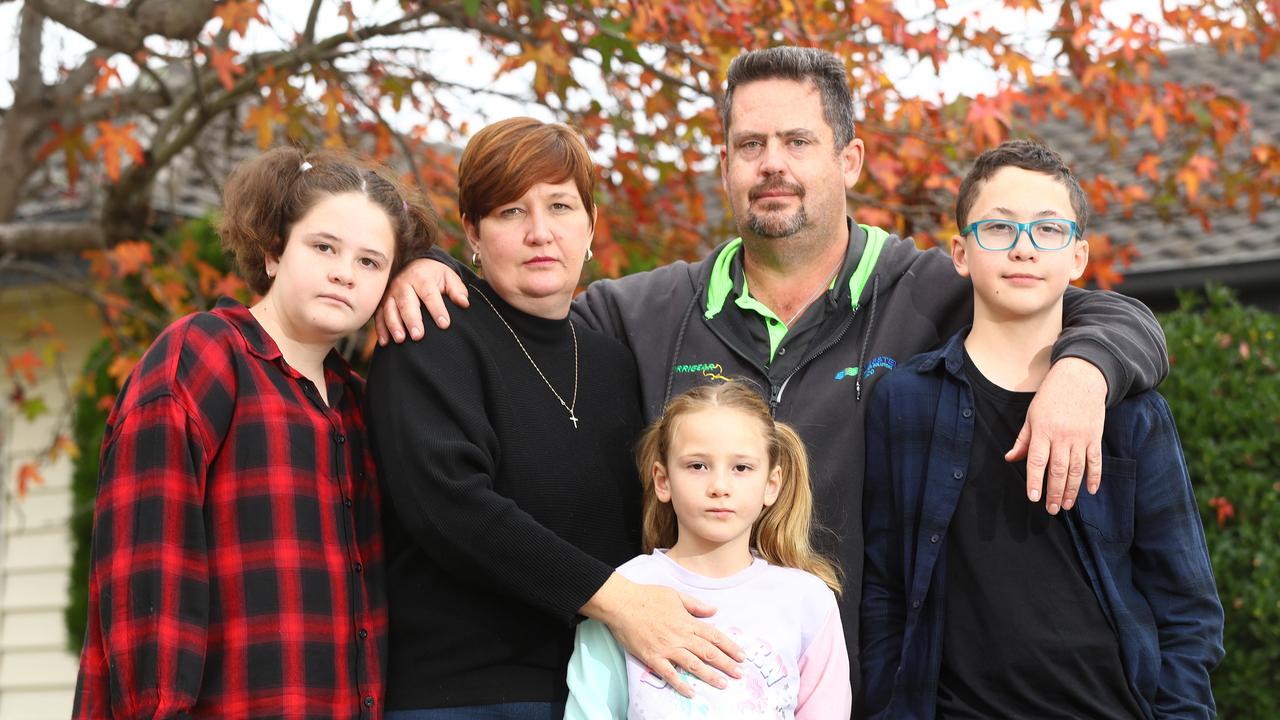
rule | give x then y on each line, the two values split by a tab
727	519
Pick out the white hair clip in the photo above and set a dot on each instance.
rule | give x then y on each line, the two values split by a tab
305	166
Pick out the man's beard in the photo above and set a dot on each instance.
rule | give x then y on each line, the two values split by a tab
776	227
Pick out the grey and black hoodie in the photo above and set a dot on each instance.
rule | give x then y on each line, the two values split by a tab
685	330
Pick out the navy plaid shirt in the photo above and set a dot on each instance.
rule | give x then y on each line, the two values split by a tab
237	553
1140	540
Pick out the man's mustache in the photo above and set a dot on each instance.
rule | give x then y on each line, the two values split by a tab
774	186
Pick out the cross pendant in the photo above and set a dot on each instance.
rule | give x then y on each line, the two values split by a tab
575	421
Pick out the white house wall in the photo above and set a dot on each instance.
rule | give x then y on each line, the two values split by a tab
37	672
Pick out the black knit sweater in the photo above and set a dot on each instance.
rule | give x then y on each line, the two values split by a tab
501	518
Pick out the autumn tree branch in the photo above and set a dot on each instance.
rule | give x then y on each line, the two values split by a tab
124	29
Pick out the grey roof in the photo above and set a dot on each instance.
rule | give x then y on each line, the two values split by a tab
1177	252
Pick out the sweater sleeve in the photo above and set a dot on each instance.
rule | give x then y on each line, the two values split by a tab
825	691
1118	335
438	454
597	675
599	309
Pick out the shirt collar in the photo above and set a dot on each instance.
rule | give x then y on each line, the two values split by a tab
263	346
865	242
950	355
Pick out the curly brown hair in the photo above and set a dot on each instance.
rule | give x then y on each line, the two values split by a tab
266	195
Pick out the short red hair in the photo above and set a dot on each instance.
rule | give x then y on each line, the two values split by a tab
505	159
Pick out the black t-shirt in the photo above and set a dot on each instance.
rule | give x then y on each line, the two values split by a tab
1025	636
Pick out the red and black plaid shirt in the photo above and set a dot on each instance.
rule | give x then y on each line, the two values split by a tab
237	564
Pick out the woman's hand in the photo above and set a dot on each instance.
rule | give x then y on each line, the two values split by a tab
426	280
657	625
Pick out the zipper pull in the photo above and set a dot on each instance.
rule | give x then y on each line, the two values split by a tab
774	393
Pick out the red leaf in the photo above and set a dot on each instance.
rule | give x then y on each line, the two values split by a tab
1226	510
28	475
25	363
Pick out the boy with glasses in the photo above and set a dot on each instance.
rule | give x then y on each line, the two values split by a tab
976	603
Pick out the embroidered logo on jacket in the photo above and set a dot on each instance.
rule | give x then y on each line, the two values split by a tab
884	361
711	371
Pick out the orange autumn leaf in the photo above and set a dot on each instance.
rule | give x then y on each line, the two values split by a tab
25	363
986	121
99	264
120	368
63	445
1197	169
264	119
44	328
28	475
106	73
230	285
73	146
131	256
224	64
112	142
1148	167
237	14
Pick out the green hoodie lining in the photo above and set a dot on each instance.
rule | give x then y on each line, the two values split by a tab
720	285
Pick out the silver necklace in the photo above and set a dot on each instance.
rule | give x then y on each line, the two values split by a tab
821	288
574	402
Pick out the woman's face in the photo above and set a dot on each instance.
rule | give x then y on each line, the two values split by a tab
532	248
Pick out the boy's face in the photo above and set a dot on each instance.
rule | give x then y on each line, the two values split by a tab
1023	280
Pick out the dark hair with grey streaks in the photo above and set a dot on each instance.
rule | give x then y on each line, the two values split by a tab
823	69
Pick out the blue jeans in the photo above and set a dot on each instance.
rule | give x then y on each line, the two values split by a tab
505	711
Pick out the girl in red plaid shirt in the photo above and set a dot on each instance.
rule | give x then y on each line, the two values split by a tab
237	556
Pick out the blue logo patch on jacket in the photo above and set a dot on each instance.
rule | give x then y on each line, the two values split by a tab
884	361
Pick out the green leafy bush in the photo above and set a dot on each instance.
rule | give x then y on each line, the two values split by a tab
1224	390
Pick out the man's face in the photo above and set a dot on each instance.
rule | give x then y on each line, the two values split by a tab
780	167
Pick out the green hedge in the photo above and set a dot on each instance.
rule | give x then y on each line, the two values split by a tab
1224	390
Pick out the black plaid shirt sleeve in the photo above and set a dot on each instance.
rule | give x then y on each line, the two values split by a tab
237	560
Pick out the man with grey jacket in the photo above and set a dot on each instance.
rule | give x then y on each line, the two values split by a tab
815	308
